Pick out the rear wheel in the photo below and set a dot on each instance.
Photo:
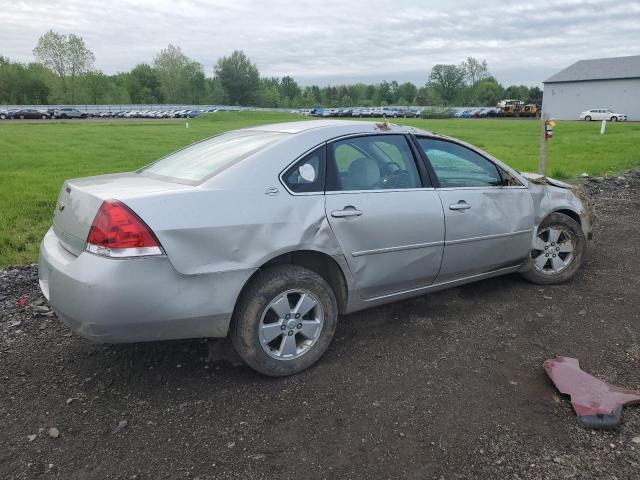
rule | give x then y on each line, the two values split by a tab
557	252
284	321
21	117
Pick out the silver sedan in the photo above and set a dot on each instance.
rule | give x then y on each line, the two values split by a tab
267	234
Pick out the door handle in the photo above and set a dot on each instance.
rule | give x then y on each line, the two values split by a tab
349	211
461	205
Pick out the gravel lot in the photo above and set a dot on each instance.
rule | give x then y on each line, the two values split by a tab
448	385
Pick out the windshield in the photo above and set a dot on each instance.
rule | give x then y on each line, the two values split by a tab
198	162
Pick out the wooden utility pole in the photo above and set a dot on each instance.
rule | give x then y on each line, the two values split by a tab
542	166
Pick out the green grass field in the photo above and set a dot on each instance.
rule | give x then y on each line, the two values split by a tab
35	158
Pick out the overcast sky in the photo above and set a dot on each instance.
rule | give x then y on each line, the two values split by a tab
329	42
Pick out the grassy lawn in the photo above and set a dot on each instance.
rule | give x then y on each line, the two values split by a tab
35	158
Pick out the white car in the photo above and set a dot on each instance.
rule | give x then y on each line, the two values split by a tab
602	114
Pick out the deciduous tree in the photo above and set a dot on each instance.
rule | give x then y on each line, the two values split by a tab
447	81
67	56
239	77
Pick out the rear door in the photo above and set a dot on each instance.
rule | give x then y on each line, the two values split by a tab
489	214
388	222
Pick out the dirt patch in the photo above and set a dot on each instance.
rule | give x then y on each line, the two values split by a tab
448	385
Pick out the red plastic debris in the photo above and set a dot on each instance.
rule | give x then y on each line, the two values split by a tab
598	404
23	300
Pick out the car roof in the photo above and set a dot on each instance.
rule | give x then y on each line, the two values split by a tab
348	126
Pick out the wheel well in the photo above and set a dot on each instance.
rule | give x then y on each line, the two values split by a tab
321	263
571	214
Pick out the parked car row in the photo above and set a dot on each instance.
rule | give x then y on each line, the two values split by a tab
490	112
24	113
362	112
153	113
68	112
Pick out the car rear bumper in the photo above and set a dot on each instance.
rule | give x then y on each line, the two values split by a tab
137	299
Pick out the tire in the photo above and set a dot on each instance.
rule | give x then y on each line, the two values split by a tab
543	268
2	116
614	119
21	117
64	116
254	314
44	117
587	118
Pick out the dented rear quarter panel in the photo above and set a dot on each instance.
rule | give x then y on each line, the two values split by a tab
241	229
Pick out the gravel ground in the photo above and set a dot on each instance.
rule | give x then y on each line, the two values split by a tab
448	385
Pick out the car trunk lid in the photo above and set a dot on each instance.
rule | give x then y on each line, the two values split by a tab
80	199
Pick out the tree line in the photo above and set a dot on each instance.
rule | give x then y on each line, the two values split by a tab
63	73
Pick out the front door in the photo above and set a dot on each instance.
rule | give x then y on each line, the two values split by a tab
390	227
489	215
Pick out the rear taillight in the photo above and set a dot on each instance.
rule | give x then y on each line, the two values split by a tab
118	232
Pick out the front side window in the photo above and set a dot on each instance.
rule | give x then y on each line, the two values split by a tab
307	174
373	162
458	166
198	162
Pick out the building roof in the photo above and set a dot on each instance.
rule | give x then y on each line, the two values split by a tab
599	69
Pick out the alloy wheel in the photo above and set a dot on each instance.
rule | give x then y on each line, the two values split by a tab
291	324
553	250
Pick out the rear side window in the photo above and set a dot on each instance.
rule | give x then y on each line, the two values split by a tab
458	166
196	163
372	162
307	174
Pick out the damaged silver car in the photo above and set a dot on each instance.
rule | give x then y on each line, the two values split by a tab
267	234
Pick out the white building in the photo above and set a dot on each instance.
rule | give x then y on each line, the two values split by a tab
612	83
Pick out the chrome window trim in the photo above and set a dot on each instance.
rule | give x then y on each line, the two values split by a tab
380	190
502	187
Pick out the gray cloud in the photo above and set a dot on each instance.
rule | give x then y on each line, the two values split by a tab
337	41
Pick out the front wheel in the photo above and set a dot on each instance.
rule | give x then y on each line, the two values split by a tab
284	321
614	119
587	118
557	252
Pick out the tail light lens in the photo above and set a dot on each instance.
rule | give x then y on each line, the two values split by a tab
118	232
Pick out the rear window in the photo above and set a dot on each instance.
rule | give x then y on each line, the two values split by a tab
198	162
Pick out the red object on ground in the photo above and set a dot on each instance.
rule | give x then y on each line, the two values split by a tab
598	404
22	301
